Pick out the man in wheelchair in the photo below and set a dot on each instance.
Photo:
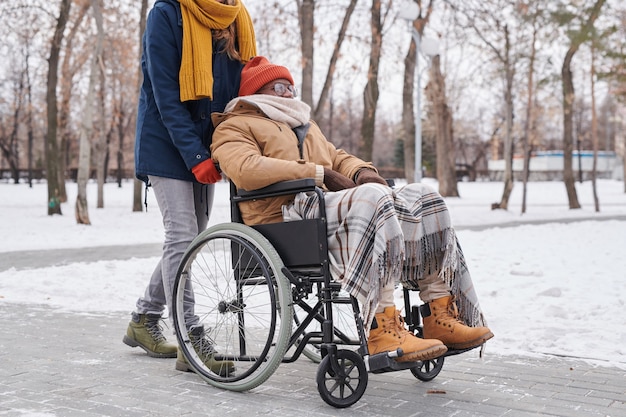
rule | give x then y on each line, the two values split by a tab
377	236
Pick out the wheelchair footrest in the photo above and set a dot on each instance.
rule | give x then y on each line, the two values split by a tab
382	362
452	352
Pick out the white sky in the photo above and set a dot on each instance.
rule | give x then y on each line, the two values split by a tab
554	288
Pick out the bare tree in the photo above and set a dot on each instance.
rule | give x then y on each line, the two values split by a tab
52	150
446	156
370	92
594	129
84	165
332	66
529	122
9	136
569	97
101	143
70	66
138	185
408	91
490	23
306	19
29	121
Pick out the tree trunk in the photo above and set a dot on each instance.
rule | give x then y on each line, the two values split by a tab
529	125
30	126
52	151
101	142
84	165
568	125
568	105
446	156
594	131
568	130
9	143
306	14
370	93
121	133
68	71
408	92
408	114
138	185
508	139
321	103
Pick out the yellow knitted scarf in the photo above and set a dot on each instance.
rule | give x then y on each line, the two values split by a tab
199	17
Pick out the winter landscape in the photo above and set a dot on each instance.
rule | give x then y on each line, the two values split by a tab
550	281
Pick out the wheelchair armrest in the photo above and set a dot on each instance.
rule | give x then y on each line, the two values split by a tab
279	188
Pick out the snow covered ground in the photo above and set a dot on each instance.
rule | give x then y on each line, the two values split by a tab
556	286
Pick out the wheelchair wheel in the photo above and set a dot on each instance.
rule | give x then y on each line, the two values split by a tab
344	325
342	383
428	370
242	300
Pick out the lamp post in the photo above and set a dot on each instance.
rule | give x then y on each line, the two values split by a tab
417	175
409	12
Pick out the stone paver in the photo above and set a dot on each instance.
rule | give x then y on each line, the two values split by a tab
56	363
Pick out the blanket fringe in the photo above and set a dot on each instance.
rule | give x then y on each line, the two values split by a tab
432	253
386	270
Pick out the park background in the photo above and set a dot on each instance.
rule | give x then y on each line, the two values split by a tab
497	90
550	282
498	80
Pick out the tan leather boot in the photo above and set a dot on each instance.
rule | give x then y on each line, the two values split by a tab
443	323
388	333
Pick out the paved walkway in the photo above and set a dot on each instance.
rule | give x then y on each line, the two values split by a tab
56	363
43	258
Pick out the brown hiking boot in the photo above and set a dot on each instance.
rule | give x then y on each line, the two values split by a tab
388	333
443	323
145	331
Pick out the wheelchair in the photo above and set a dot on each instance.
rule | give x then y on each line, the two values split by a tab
265	296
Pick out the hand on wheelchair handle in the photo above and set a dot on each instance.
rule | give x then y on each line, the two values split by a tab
368	175
206	172
335	181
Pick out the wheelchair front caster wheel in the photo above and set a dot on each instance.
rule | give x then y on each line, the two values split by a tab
343	382
428	370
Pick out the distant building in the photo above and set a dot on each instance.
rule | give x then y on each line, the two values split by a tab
548	165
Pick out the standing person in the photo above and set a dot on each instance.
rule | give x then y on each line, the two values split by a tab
193	53
376	236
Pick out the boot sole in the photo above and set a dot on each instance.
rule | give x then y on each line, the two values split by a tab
424	355
133	343
184	367
472	343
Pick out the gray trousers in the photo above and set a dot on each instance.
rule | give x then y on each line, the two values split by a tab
185	207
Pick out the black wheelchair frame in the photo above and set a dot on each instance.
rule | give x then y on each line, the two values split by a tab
290	262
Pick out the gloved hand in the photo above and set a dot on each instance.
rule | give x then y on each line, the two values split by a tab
369	175
206	172
334	181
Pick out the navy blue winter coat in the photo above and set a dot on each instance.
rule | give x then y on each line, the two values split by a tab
172	137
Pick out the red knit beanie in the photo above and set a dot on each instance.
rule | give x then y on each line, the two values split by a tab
258	72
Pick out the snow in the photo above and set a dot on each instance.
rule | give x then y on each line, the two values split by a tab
556	286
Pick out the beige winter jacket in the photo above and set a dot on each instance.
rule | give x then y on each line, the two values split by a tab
255	151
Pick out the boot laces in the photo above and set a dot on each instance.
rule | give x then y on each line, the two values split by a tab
156	331
451	314
201	342
398	324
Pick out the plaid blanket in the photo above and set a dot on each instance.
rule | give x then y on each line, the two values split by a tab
377	235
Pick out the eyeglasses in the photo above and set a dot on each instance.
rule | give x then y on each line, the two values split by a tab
281	89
